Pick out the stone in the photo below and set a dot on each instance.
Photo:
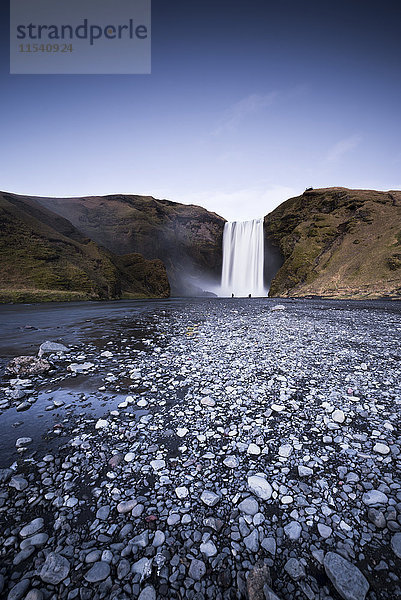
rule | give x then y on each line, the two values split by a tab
269	594
123	568
293	530
260	487
39	539
278	407
381	448
377	518
173	519
304	471
24	441
16	394
92	556
19	483
285	450
231	462
253	450
102	513
51	348
34	595
209	498
207	401
5	475
19	590
28	365
32	527
197	569
251	541
141	540
249	506
143	567
126	506
101	424
157	465
181	492
159	539
98	572
295	569
258	577
324	530
148	593
115	460
338	416
269	544
80	367
346	577
23	555
374	498
182	432
208	549
396	544
55	569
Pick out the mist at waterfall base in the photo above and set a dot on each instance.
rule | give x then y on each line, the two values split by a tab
249	263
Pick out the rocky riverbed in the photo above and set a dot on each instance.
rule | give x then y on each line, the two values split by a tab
236	449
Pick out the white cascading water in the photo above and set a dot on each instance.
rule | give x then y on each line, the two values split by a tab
243	259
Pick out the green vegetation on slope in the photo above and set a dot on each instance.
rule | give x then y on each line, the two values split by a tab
338	243
43	257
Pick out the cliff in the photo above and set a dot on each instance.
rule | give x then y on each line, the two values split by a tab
44	257
187	238
337	243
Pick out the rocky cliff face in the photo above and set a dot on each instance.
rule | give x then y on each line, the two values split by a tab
338	243
44	257
187	238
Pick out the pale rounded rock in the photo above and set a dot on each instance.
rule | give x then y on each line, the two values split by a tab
260	487
381	448
253	450
338	416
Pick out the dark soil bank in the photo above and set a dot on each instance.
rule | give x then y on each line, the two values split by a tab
202	449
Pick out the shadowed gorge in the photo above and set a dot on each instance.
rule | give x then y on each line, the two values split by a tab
338	243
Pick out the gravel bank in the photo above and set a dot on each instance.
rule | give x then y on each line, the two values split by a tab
252	453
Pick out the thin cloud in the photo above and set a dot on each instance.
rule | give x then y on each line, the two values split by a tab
249	105
342	147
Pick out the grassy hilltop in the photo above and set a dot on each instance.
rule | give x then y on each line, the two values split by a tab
338	243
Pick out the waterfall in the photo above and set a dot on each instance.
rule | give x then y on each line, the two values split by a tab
243	258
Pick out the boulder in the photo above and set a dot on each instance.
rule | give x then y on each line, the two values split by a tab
55	569
28	365
346	577
50	348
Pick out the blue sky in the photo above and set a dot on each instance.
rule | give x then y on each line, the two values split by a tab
248	104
